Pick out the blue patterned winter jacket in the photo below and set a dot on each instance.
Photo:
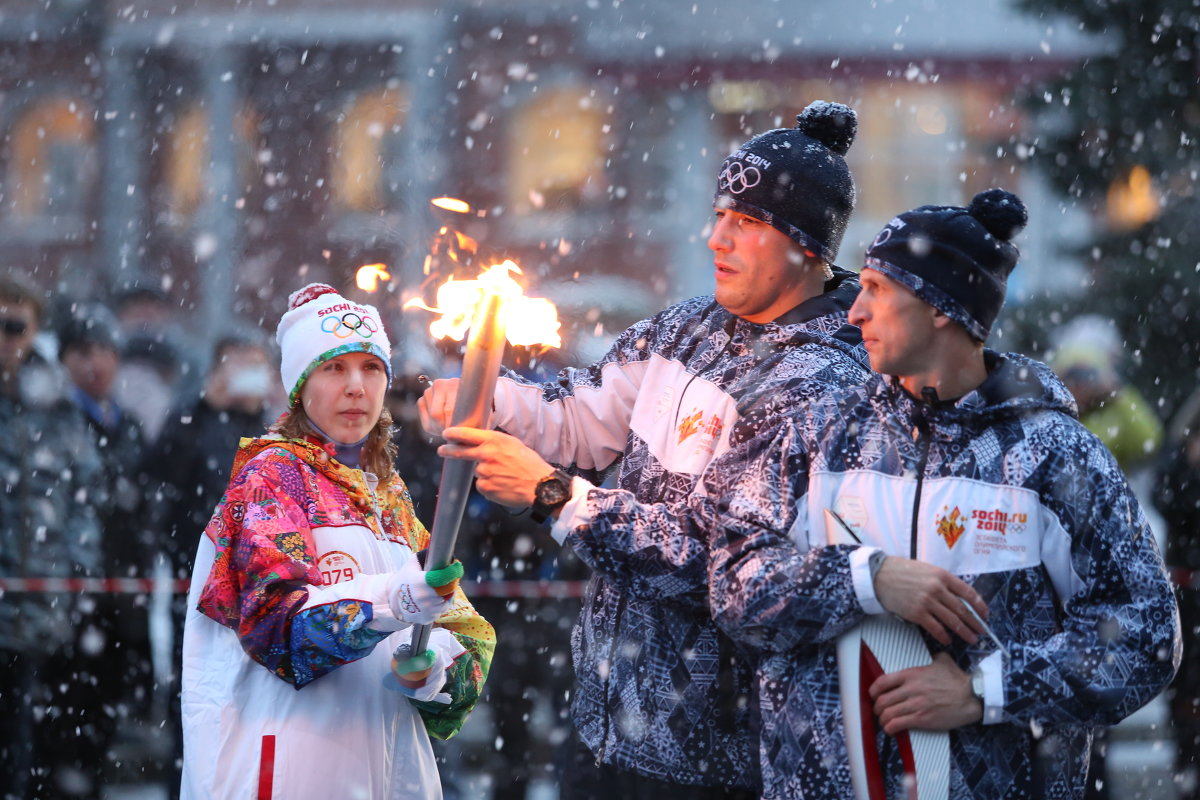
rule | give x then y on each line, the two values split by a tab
660	691
1005	489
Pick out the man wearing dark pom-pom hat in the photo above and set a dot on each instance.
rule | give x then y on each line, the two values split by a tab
662	707
957	491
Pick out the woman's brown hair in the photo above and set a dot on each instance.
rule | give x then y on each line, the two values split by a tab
378	452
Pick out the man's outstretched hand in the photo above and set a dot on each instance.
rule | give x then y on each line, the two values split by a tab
506	471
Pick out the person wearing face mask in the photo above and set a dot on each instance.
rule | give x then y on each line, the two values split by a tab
52	732
194	453
307	580
190	462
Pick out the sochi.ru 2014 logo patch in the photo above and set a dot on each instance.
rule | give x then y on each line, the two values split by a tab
695	423
950	526
1000	521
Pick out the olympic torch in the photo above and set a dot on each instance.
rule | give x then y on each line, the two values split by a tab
496	310
473	409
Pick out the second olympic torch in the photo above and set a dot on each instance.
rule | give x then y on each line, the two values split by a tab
473	409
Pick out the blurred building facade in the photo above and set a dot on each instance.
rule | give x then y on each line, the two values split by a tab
227	152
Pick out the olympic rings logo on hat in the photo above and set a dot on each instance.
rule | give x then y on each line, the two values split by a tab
741	179
351	324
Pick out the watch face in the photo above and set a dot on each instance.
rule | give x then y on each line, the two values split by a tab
552	491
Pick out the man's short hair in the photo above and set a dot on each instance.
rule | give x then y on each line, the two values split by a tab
17	287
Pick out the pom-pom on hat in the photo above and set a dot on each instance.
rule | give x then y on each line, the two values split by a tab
796	179
956	259
319	325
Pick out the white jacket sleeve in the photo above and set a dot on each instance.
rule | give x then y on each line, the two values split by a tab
581	419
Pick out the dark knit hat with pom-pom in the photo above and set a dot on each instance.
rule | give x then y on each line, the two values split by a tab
796	179
956	259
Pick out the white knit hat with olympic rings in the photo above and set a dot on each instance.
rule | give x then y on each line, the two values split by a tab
319	325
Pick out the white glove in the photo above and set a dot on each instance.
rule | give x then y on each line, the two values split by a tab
446	649
411	598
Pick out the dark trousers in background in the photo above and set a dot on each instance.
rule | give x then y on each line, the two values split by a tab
54	734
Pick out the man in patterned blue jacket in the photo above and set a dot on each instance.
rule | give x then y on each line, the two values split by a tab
662	705
973	489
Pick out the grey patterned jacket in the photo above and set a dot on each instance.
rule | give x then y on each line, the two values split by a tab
48	527
1013	495
660	691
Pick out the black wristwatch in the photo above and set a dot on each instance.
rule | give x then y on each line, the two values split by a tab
551	494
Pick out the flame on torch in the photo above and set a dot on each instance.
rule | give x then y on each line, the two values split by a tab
452	204
450	243
368	277
529	321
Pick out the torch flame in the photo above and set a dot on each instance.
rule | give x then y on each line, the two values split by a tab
452	204
368	277
530	320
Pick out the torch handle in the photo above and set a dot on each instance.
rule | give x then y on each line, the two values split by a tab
454	489
472	408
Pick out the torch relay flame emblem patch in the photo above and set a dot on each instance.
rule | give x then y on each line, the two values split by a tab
950	526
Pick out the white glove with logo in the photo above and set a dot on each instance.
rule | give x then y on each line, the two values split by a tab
445	649
411	598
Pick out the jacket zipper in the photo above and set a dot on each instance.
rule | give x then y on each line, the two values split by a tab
924	440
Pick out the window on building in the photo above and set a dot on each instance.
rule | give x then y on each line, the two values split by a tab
558	147
51	169
188	155
370	121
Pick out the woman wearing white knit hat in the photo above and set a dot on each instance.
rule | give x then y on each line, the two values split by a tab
306	579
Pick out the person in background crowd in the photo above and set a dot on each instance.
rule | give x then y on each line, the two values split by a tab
1109	407
416	454
973	494
52	730
89	349
662	706
502	547
1177	497
194	453
191	462
156	369
307	579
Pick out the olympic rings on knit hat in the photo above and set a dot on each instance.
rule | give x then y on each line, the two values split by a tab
796	179
955	259
319	325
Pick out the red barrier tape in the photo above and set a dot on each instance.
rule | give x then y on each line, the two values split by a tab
525	590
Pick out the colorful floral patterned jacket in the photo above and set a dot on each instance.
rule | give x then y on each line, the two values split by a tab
267	562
